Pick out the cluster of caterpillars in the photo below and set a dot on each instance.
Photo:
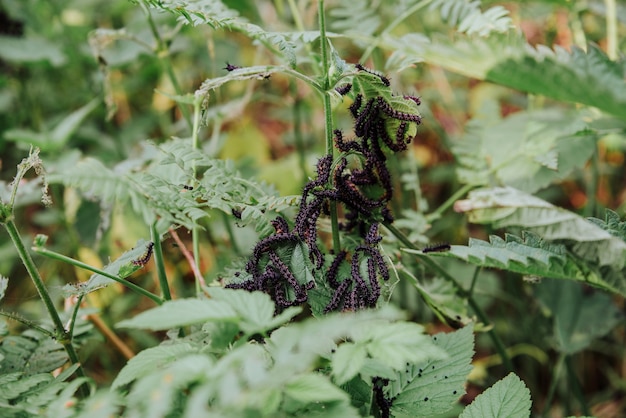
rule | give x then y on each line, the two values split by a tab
358	181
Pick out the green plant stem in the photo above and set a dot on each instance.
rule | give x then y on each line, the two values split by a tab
160	264
328	119
575	385
80	264
611	29
408	12
470	291
162	53
62	335
433	266
553	384
195	231
79	300
448	203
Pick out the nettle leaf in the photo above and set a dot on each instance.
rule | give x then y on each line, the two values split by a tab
579	316
255	309
509	397
526	150
314	387
505	206
534	257
356	17
589	78
432	387
160	393
180	313
470	19
149	360
612	224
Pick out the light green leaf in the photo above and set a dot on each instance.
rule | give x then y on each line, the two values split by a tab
432	387
398	343
527	150
579	317
149	360
507	398
255	309
505	206
347	361
180	313
31	49
314	387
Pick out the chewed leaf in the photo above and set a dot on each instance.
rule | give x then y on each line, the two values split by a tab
432	387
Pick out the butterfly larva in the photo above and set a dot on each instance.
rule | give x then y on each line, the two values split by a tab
145	257
437	248
384	79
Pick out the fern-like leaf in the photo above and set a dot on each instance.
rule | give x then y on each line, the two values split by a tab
470	19
217	15
31	353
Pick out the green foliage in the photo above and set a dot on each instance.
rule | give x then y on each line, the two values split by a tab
509	117
527	150
509	397
429	388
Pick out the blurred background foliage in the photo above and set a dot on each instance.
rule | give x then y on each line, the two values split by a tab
97	77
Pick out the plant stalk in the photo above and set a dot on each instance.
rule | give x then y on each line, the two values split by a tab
62	335
328	119
80	264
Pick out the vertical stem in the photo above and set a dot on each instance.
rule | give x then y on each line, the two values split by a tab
63	336
592	183
611	29
158	261
555	380
195	232
575	385
328	118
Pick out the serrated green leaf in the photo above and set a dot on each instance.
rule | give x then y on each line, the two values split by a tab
31	353
432	387
395	344
149	360
180	313
17	388
579	317
347	361
314	387
508	397
255	309
527	150
534	257
505	206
